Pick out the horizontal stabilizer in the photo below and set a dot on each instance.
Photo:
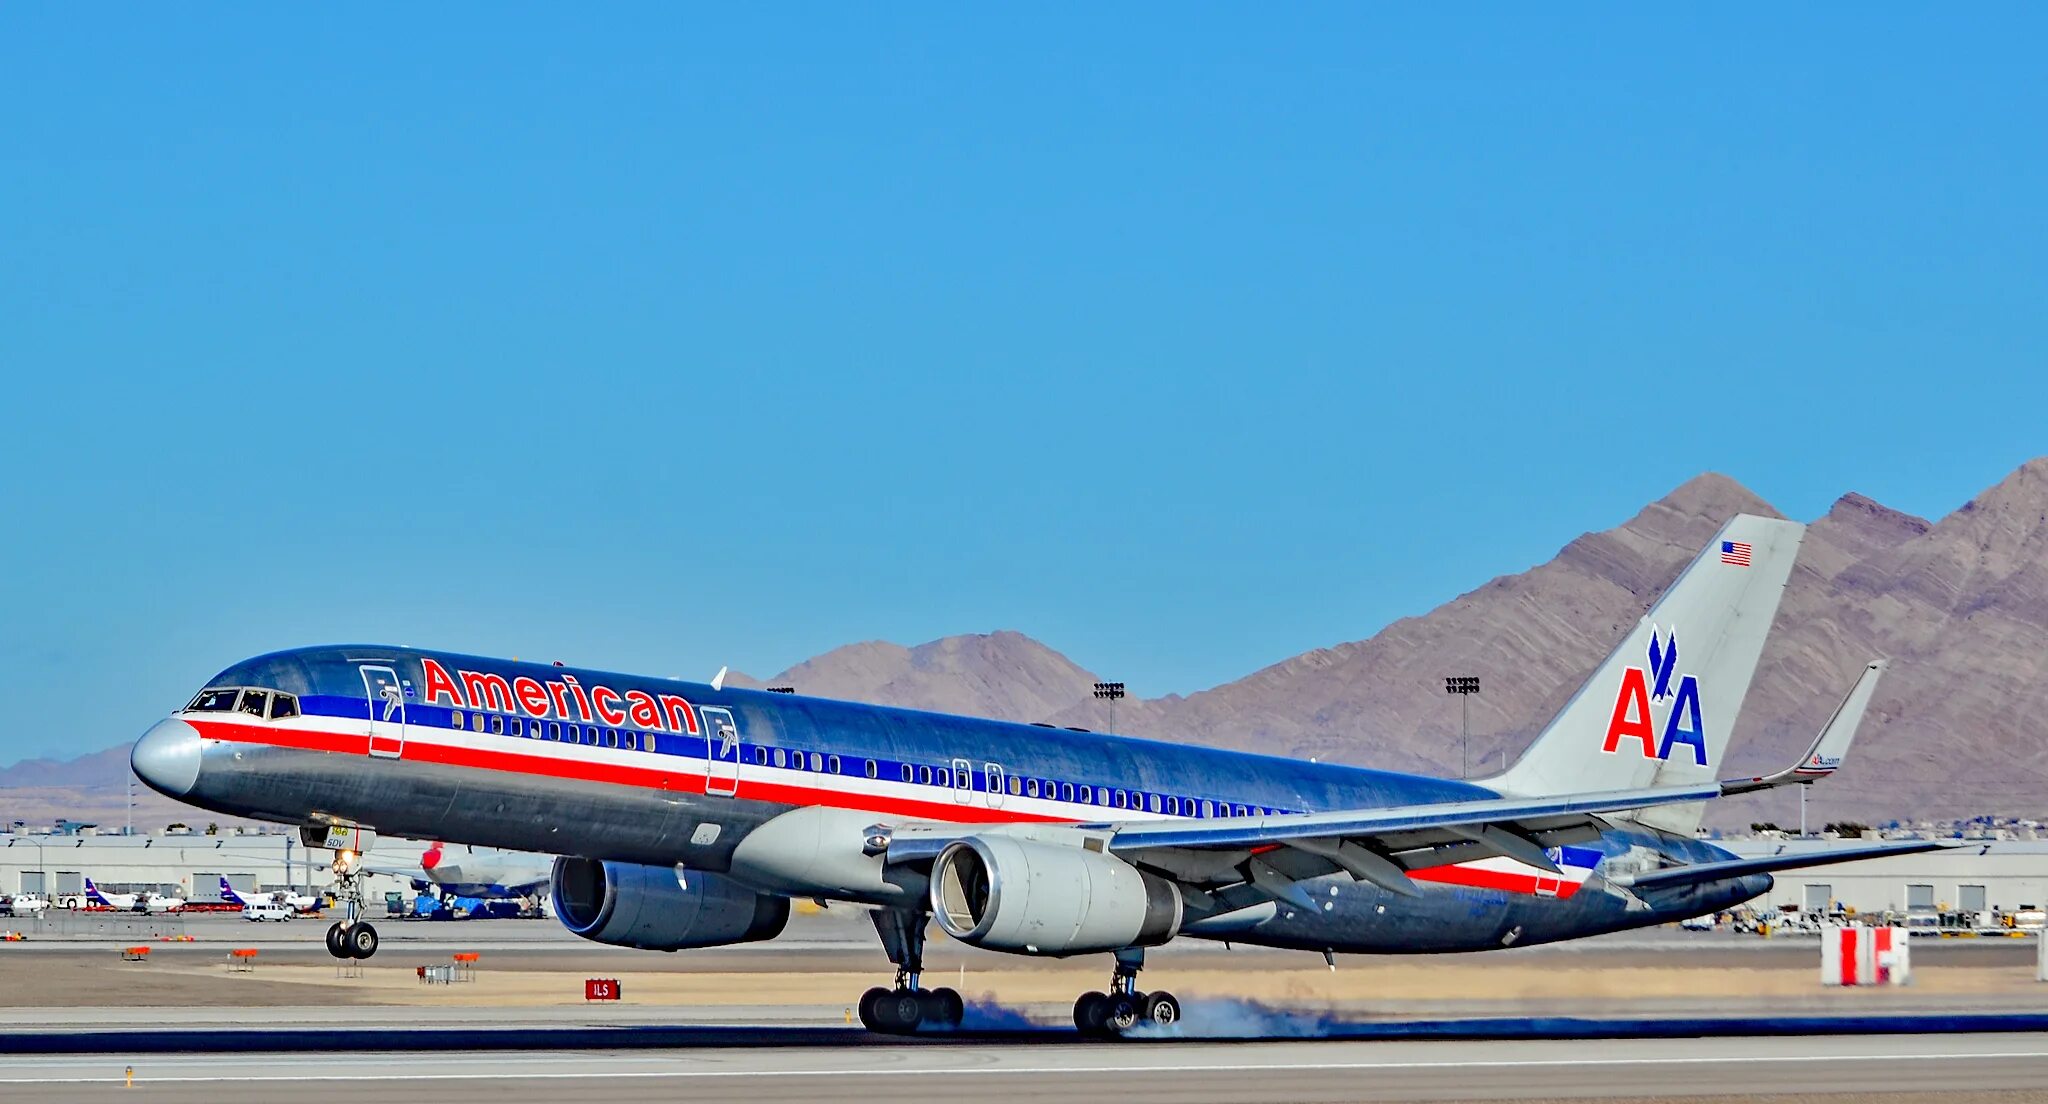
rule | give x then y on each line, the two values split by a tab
1736	868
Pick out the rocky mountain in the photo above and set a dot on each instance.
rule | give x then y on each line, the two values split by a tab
1960	605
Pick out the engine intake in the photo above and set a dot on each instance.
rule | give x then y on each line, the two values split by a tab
1008	894
661	908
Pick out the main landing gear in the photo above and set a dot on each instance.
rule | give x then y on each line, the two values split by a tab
352	936
909	1006
1124	1007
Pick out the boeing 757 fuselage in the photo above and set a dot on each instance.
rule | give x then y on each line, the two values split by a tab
689	815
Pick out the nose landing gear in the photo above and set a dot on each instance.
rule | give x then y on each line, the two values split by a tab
352	936
1111	1014
908	1007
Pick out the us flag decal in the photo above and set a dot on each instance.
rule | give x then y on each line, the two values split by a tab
1735	552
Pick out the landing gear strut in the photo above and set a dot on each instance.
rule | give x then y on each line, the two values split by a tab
909	1006
1124	1007
352	936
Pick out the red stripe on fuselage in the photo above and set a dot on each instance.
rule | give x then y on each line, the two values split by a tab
582	770
751	789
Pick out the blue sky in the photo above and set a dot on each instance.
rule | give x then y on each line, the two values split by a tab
1183	339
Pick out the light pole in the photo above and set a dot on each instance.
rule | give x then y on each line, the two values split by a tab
1111	692
1464	686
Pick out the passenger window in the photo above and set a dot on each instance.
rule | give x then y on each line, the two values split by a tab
1237	810
1118	795
630	741
283	705
1067	792
497	725
1031	790
611	737
1016	787
834	763
817	762
871	768
214	701
1101	796
476	722
1173	806
554	730
906	772
924	776
1152	802
518	727
650	741
1208	809
760	757
781	758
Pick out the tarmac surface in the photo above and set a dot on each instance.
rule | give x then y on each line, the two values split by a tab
768	1022
1957	1070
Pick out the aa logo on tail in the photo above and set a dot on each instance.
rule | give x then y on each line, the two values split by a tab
1633	719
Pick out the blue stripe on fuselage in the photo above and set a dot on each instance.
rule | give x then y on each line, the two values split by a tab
328	684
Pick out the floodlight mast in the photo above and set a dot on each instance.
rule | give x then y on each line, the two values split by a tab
1464	686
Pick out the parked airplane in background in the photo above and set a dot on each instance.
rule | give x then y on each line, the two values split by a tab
485	873
27	904
132	902
297	902
689	815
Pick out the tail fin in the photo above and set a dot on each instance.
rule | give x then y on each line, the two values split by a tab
228	894
1660	709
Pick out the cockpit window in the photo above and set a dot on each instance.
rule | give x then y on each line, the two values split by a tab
253	702
283	705
217	700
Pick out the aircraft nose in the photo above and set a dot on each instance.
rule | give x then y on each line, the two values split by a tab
167	757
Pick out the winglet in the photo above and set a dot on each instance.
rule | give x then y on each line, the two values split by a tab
718	680
1830	747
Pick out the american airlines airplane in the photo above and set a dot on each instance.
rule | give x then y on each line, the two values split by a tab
689	815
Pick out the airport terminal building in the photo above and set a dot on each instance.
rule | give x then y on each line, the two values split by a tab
185	865
2005	874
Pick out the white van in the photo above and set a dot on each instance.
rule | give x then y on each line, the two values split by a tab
267	909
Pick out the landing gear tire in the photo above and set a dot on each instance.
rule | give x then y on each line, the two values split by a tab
1121	1012
362	940
870	1008
1090	1012
337	942
899	1012
943	1007
1162	1009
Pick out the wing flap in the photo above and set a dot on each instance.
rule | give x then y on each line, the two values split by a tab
1735	868
1405	826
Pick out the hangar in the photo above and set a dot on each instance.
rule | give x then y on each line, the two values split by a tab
187	865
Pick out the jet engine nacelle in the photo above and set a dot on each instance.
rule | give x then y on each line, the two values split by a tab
1028	897
660	908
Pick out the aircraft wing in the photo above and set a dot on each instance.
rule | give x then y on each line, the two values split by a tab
1829	748
1736	868
1374	845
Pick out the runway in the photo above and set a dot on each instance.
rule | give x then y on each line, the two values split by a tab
1955	1068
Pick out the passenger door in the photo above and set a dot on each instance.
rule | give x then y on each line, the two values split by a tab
387	711
994	773
721	751
963	781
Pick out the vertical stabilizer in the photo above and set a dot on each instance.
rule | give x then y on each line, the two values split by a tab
1660	709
